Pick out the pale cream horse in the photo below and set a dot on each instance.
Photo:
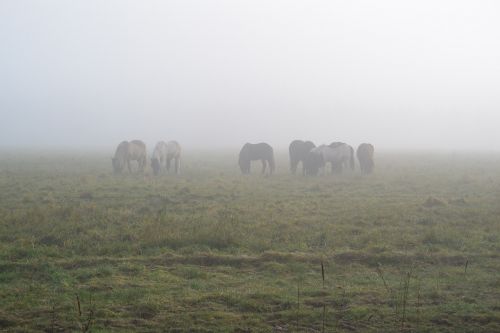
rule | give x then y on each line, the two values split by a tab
163	155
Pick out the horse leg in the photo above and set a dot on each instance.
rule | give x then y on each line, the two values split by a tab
168	164
177	165
263	166
128	166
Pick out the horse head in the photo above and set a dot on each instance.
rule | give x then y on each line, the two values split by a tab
312	163
117	165
155	165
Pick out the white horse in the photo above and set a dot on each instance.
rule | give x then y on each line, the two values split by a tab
163	154
338	154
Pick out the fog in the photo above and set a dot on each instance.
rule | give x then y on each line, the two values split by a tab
398	74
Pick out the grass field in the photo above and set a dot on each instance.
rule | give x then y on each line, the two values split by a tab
413	248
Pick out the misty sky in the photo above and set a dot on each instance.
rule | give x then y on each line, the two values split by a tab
417	74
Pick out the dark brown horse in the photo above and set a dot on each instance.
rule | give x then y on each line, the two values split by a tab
253	152
313	162
365	158
298	150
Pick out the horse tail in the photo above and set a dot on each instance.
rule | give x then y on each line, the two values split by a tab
352	158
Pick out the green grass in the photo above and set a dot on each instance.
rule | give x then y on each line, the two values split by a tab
212	251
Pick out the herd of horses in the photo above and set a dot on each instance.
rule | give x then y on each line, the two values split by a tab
314	160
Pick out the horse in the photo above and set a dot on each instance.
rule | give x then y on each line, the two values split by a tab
336	154
163	154
258	151
313	162
365	158
298	150
134	150
345	156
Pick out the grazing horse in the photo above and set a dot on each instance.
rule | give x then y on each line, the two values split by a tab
258	151
345	156
337	156
298	153
163	154
313	162
365	158
134	150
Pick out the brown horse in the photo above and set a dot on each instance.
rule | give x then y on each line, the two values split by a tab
298	150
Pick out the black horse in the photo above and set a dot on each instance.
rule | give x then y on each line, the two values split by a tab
258	151
365	157
313	162
298	152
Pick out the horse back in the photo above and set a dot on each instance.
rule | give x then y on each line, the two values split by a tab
257	151
262	151
173	148
136	150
